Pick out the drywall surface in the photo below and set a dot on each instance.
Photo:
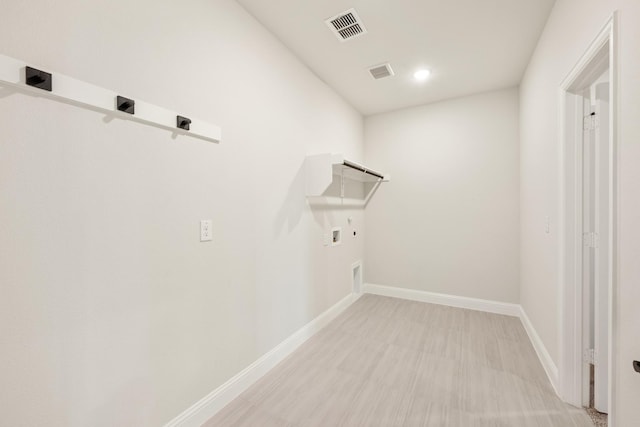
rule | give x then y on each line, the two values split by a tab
571	27
448	220
112	312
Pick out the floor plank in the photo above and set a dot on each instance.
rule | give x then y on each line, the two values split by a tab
390	362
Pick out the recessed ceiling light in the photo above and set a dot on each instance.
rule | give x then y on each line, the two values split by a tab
421	75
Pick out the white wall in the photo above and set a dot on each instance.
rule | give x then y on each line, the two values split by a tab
111	310
448	220
571	27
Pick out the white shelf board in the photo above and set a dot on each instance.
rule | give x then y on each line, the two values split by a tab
76	92
354	174
321	169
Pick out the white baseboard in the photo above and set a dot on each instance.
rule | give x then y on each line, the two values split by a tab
209	405
547	362
488	306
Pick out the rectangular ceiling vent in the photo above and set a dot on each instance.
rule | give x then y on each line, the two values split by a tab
346	25
381	71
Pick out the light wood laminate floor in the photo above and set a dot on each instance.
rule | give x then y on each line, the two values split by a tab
391	362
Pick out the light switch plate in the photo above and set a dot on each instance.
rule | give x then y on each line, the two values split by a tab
206	232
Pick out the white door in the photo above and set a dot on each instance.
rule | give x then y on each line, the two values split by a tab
601	266
589	243
595	256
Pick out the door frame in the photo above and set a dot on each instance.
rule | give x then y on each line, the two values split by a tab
570	372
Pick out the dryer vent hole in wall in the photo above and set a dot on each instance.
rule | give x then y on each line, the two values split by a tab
356	278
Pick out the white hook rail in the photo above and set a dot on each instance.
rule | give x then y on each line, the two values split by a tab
76	92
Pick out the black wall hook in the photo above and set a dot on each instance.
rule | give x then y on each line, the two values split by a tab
126	105
183	123
38	78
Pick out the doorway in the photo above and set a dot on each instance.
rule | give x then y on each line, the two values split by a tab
595	242
587	106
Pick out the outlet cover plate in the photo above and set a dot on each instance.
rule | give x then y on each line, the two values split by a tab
206	232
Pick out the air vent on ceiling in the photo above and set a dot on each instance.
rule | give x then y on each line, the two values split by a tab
381	71
346	25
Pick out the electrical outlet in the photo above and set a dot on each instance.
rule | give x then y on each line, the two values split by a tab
206	233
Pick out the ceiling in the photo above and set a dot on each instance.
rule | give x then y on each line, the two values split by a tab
470	46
